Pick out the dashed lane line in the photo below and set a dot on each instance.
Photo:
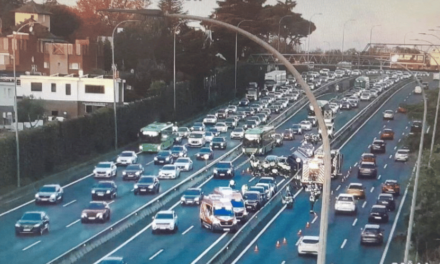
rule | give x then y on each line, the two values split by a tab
385	166
253	178
354	222
28	247
365	203
71	224
209	248
155	255
372	189
186	231
337	188
343	243
314	219
69	203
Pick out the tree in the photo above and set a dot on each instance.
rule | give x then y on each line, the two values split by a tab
172	7
6	16
64	21
30	109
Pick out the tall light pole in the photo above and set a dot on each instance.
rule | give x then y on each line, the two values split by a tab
343	37
308	36
404	38
17	142
279	29
325	139
236	56
114	79
371	33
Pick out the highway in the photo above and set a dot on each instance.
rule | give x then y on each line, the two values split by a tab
203	243
344	231
66	230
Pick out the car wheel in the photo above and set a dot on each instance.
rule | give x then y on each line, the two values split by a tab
176	228
62	198
108	217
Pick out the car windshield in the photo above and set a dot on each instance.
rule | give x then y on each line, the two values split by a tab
163	154
250	196
169	168
355	187
96	206
183	129
296	127
146	180
378	209
223	212
230	120
182	160
126	154
218	140
390	183
287	131
222	165
385	197
210	116
250	122
220	125
237	203
205	150
345	198
177	149
164	216
371	230
198	124
192	192
104	185
402	151
133	167
48	189
196	135
238	130
367	165
31	217
103	165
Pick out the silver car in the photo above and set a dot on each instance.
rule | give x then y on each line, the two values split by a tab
126	158
50	193
184	164
165	221
170	171
105	170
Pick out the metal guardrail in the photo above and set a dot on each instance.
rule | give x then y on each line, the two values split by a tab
152	207
273	206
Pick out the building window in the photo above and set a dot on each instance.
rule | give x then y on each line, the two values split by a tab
36	87
68	91
53	87
89	109
54	113
46	65
97	89
9	92
74	66
78	49
18	82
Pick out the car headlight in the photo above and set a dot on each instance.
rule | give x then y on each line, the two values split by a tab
136	186
155	158
229	171
17	225
210	144
215	170
53	196
37	225
137	173
83	215
99	215
150	186
197	199
167	158
215	221
141	147
93	191
181	154
107	192
94	171
124	173
183	198
158	147
37	196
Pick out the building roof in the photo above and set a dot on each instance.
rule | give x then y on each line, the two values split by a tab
32	8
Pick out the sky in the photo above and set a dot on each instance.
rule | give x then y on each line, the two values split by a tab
396	18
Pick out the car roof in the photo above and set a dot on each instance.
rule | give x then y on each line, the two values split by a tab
378	140
355	184
372	226
367	162
166	212
311	237
148	176
194	189
345	194
379	206
368	154
106	162
106	182
51	185
128	151
252	192
394	181
386	194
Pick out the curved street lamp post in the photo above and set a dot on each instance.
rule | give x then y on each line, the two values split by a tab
308	36
308	92
236	56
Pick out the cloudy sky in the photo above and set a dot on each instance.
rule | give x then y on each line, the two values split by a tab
396	17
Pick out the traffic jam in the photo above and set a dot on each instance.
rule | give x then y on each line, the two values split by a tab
270	155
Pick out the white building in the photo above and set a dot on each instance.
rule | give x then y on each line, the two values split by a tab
71	96
7	93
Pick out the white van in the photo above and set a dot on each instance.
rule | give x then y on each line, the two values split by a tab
418	90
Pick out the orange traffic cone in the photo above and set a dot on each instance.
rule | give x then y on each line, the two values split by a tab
284	241
256	248
307	225
278	244
300	232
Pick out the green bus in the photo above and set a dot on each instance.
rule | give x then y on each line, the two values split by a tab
258	140
156	137
362	82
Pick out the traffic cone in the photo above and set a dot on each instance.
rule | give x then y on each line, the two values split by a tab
256	248
278	244
307	225
284	241
300	232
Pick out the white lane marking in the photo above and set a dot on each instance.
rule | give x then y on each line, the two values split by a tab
209	248
385	166
379	132
22	205
400	139
297	242
391	156
132	190
139	152
343	243
71	224
363	205
261	232
155	255
369	146
395	147
374	138
253	178
205	182
387	122
278	184
28	247
292	148
384	125
149	162
314	219
337	188
284	262
111	202
379	177
354	222
390	236
186	231
355	164
372	189
406	127
69	203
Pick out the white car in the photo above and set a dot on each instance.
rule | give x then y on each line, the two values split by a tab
330	129
231	108
196	139
183	132
126	157
365	96
169	172
401	155
345	203
209	136
306	125
308	245
184	164
221	127
51	193
334	107
374	93
295	95
388	114
105	170
165	221
237	133
311	85
210	119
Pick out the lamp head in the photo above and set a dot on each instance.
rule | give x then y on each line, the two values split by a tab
395	58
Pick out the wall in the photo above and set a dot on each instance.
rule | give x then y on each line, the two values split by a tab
7	92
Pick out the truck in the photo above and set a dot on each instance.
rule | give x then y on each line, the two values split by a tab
274	78
362	82
327	112
258	140
252	94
